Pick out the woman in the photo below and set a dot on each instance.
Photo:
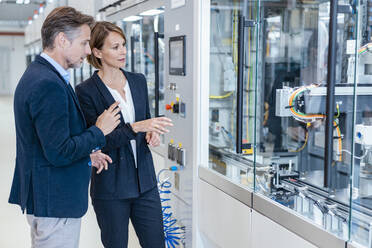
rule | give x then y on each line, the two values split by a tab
128	189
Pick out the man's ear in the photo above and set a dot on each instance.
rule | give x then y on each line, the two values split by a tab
61	40
97	53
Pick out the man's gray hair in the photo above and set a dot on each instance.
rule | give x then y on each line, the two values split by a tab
63	19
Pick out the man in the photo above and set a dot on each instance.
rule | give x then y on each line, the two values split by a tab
54	147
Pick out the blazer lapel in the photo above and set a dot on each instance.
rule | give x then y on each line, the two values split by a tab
72	93
106	95
63	82
135	94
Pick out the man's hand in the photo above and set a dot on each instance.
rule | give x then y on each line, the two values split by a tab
109	119
153	138
100	160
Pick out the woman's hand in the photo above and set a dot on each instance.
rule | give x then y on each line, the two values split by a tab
153	138
157	125
109	119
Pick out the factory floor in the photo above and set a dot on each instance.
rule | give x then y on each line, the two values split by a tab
14	230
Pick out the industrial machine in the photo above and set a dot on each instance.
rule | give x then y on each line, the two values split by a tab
290	85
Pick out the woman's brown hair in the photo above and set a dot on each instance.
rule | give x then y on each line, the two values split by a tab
98	36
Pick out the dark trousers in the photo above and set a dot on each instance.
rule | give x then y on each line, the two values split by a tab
144	212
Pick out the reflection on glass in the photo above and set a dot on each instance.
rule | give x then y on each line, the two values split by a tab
86	69
77	73
141	53
283	108
223	90
291	119
361	222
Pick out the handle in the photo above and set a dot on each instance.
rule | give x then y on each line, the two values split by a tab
132	53
329	170
242	24
157	76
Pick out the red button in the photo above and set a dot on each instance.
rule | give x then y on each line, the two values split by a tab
168	107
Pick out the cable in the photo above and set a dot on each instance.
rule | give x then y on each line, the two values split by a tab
309	118
361	157
223	96
172	233
227	133
299	115
305	142
364	48
339	139
338	111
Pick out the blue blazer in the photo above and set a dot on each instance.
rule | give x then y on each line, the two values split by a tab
122	180
51	175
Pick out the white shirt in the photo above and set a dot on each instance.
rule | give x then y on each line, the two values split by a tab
127	110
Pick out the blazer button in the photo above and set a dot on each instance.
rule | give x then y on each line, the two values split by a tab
121	158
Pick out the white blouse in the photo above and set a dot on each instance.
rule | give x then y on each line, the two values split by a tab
127	110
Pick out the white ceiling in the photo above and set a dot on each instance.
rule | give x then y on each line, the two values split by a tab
15	14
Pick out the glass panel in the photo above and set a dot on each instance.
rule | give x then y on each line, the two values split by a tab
291	93
28	60
72	78
140	35
126	26
224	67
86	70
77	76
361	221
161	70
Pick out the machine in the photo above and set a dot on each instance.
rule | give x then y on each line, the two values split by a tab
281	71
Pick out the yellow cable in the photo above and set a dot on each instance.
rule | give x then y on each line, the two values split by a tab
312	116
339	139
235	59
304	145
223	96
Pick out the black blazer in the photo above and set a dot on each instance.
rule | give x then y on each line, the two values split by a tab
51	176
122	180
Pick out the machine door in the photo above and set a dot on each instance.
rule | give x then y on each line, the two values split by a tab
232	99
146	55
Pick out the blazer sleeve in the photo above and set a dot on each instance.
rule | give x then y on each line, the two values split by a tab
49	110
117	138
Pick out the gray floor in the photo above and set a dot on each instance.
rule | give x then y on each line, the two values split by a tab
14	230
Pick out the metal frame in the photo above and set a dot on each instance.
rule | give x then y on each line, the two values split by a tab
222	183
157	36
132	61
274	211
353	245
295	223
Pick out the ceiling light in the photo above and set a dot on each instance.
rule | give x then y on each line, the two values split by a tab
19	1
152	12
41	9
132	18
26	2
36	14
